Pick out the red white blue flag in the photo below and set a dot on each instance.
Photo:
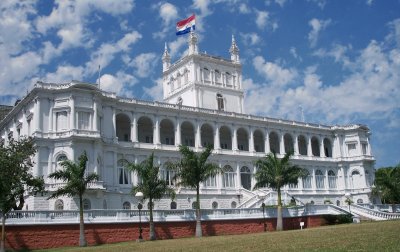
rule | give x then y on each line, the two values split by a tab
184	26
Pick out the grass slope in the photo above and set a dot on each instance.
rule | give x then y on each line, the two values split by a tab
371	236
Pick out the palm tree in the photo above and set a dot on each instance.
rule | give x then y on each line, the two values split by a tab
76	178
387	182
275	173
152	187
192	170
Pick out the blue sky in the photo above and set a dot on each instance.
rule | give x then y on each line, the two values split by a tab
338	60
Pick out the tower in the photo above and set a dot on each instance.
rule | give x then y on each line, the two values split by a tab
204	81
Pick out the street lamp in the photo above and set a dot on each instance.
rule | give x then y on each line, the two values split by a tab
139	196
265	225
348	200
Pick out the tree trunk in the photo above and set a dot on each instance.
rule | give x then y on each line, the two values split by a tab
152	233
279	221
199	233
82	240
3	232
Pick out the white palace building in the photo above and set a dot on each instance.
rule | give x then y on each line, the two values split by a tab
203	104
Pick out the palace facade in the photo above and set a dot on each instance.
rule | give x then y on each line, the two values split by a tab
203	104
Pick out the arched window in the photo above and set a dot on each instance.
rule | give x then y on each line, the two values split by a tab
229	177
126	205
315	146
168	176
214	205
207	135
86	204
145	130
360	201
258	137
123	127
220	102
167	132
60	158
187	134
59	205
242	139
356	179
245	177
274	142
331	179
301	141
327	147
123	173
307	181
173	205
233	204
288	140
319	179
225	138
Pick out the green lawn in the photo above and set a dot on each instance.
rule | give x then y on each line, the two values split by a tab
369	236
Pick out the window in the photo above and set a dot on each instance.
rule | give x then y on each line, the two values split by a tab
86	204
61	120
126	205
214	205
307	181
104	204
149	139
206	74
217	77
211	182
59	159
245	177
123	174
332	179
228	79
168	176
360	201
229	177
59	205
293	186
319	179
351	149
220	102
83	120
364	148
173	205
233	204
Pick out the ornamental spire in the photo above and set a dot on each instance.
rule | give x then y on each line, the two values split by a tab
234	50
166	59
193	42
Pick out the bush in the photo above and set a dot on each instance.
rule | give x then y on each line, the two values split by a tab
338	219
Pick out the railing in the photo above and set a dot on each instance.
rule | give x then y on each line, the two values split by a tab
113	216
373	214
391	208
91	185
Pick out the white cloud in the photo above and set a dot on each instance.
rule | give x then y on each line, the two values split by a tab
280	2
316	27
369	2
155	92
243	9
168	13
121	83
176	45
293	52
250	38
274	73
65	73
262	18
144	64
203	6
337	52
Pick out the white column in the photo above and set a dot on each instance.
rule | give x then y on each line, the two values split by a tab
266	143
51	125
313	184
234	139
359	146
217	144
251	140
296	144
309	149
156	132
95	115
114	126
239	182
72	116
321	147
326	182
37	115
178	132
134	129
282	143
197	142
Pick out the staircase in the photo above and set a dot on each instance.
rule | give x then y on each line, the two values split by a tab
267	197
371	214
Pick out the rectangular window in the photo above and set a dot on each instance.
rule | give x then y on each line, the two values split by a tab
123	176
211	182
364	148
307	182
351	148
61	120
83	120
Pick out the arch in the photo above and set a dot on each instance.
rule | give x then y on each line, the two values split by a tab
229	177
315	146
225	138
245	177
331	179
220	102
288	141
327	147
173	205
228	79
59	205
218	79
206	74
123	127
259	141
60	158
360	201
207	135
233	204
214	205
126	205
356	180
167	132
242	139
302	143
274	142
87	205
187	133
145	130
319	179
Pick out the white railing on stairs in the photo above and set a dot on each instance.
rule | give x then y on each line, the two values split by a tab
373	214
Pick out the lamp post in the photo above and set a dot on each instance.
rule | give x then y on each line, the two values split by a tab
348	200
139	196
265	225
